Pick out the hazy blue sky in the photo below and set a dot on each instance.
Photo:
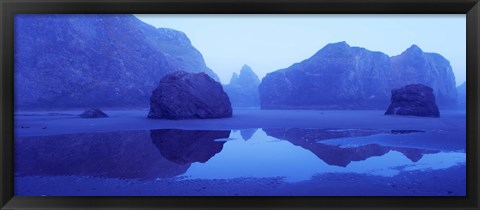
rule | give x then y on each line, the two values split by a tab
271	42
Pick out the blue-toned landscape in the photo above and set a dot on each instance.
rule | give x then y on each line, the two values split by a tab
108	105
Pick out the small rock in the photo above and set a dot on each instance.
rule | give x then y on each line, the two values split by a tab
93	113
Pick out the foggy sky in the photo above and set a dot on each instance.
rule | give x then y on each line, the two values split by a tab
271	42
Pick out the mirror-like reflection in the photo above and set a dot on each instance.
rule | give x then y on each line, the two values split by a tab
128	154
131	155
247	133
310	139
406	131
315	135
188	146
193	158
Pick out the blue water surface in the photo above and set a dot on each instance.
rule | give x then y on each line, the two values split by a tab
177	162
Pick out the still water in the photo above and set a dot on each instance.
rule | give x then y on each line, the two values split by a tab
289	155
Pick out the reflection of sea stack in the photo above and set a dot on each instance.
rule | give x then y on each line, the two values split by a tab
188	146
247	133
310	139
182	95
417	100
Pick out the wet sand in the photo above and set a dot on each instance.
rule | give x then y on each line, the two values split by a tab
65	122
443	182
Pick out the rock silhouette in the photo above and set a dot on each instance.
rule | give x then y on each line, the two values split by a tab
243	89
93	113
108	60
416	100
339	76
431	69
182	95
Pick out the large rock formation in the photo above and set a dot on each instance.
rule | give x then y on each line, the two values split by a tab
343	77
182	95
431	69
243	88
188	146
416	99
78	61
337	76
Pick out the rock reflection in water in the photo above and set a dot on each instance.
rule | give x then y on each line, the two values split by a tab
127	154
307	135
310	139
406	131
188	146
247	133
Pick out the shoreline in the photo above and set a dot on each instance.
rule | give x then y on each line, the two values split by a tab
67	122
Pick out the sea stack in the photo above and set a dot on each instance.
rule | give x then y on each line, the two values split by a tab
415	99
112	60
340	76
243	88
182	95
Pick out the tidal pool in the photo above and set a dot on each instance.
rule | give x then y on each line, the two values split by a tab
274	161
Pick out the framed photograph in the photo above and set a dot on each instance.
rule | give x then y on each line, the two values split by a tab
219	104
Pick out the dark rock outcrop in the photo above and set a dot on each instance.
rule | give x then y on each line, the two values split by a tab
243	89
343	77
93	113
188	146
182	95
416	100
76	61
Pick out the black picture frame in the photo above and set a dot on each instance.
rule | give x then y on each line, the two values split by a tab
8	8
